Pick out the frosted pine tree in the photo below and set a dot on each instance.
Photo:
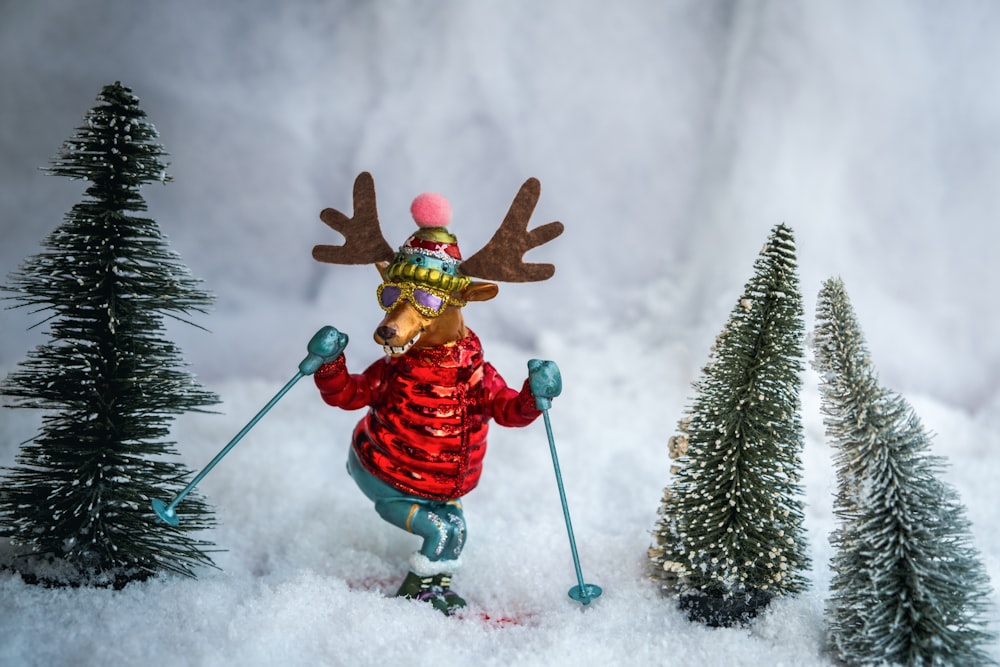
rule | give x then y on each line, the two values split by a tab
107	381
908	587
730	533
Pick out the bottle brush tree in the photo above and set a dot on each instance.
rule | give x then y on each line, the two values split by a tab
730	534
907	587
76	505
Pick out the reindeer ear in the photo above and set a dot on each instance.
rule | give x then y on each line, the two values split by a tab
478	291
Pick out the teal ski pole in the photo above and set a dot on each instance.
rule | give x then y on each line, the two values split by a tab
326	344
546	383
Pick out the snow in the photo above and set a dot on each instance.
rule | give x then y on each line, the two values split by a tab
669	137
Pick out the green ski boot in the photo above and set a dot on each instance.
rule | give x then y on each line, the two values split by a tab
448	601
435	589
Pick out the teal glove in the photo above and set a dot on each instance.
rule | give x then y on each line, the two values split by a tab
326	345
545	382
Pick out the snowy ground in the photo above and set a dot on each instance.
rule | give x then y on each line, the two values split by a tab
307	562
669	137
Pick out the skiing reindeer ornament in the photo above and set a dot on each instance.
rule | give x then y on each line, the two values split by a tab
419	449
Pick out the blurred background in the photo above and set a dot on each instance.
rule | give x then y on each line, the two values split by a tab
669	137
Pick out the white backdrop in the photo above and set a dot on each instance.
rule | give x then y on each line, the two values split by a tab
669	137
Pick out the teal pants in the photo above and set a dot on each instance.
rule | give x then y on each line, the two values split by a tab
440	523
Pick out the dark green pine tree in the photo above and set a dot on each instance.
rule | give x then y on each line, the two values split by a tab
730	534
908	587
77	503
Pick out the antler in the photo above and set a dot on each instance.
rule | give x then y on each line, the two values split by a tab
502	258
363	240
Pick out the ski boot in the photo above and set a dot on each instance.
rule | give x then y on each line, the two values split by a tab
435	589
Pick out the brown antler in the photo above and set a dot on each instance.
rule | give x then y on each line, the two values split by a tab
363	240
502	258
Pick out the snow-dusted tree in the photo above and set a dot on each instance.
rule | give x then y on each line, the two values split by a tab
79	496
908	587
730	533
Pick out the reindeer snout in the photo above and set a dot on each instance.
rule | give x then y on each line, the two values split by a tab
400	328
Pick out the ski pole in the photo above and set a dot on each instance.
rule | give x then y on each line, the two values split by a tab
545	380
325	343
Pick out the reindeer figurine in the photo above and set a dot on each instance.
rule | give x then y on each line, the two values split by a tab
420	447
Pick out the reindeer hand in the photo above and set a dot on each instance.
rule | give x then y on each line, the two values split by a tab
326	345
545	382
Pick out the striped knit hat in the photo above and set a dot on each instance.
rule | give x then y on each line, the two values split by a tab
430	257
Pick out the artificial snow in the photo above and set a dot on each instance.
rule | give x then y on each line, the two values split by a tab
308	565
669	137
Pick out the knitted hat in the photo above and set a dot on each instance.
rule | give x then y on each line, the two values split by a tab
430	257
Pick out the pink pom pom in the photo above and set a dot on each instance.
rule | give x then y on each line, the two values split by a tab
431	210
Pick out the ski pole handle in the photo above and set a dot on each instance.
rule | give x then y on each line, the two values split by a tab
545	382
326	345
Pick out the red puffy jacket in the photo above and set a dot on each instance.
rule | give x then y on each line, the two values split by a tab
425	431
